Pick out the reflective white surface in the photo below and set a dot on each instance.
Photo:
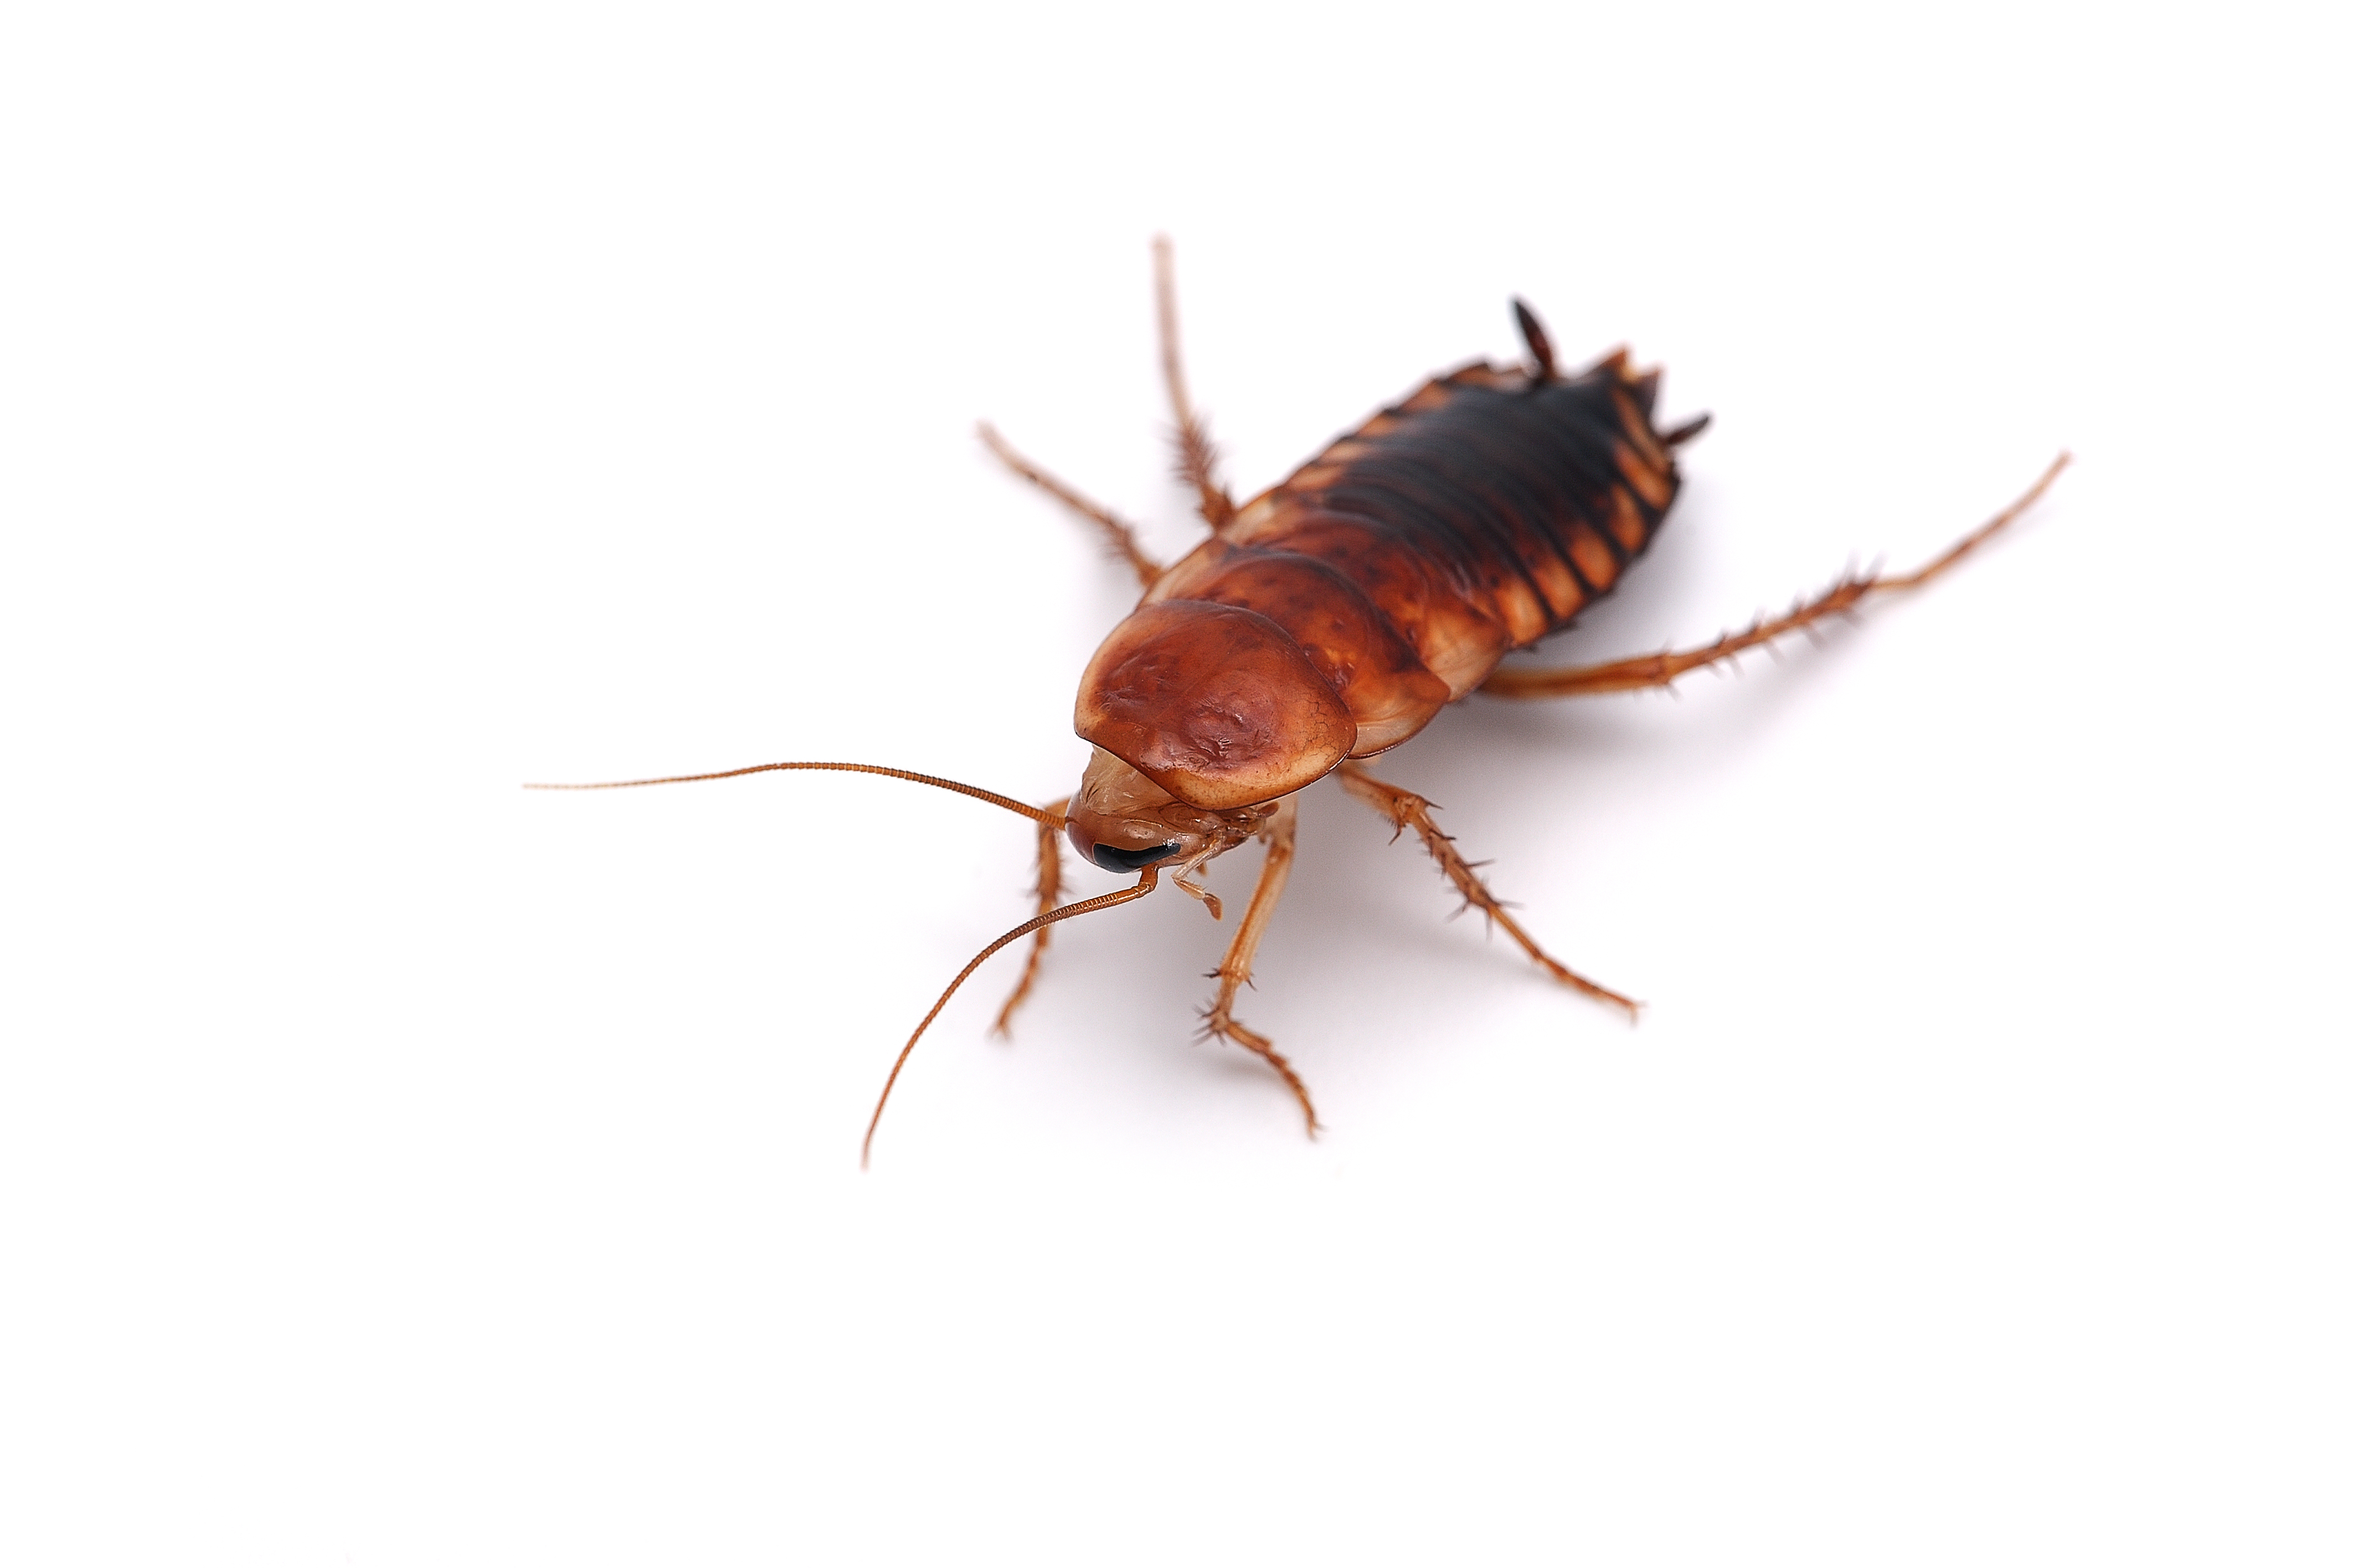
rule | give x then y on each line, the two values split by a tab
399	1167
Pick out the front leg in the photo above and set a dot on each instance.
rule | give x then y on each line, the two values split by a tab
1235	965
1051	889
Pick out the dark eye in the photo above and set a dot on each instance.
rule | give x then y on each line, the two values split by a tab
1113	859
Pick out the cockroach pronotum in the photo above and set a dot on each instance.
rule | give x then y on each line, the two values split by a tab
1326	619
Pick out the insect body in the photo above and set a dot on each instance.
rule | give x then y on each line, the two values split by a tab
1334	616
1327	620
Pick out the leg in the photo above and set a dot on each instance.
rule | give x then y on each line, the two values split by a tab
1660	668
1051	887
1198	459
1235	965
1123	537
1407	810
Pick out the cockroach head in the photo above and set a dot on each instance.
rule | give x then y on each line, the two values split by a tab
1121	820
1204	715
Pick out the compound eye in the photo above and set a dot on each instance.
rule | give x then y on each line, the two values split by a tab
1113	859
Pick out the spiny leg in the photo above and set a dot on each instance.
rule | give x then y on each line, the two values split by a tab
1051	887
1406	809
1198	460
1235	964
1660	668
1119	534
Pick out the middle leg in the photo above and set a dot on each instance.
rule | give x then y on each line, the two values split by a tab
1121	535
1198	460
1406	809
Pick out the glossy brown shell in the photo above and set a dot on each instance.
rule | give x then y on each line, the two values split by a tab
1395	569
1215	703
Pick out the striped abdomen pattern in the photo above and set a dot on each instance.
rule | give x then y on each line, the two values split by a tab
1335	614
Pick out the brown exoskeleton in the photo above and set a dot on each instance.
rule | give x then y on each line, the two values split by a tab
1328	618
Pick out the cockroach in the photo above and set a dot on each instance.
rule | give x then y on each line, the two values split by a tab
1326	619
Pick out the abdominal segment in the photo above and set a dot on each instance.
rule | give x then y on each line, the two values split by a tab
1481	514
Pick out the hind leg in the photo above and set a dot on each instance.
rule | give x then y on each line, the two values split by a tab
1660	668
1405	809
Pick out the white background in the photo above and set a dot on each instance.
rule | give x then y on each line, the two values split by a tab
399	1167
